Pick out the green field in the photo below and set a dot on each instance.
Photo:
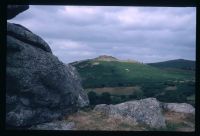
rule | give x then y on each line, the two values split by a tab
115	90
99	76
111	74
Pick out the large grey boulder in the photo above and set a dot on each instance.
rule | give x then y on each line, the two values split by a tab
39	87
14	10
179	107
145	111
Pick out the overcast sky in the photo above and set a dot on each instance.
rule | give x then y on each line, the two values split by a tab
145	34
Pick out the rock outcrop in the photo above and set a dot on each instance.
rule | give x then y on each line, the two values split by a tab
55	125
14	10
82	100
39	88
146	111
179	107
105	58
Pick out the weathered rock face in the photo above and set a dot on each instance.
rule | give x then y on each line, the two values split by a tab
39	87
146	111
13	10
82	100
56	125
179	107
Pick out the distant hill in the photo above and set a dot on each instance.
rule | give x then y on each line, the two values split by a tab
103	58
175	64
106	71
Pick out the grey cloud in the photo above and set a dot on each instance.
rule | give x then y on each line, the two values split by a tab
146	34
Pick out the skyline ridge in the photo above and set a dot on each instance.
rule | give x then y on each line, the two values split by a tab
129	59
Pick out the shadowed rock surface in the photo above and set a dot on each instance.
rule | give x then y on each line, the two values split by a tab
56	125
14	10
39	88
146	111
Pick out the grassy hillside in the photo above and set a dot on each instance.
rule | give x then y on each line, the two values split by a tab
114	73
119	81
175	64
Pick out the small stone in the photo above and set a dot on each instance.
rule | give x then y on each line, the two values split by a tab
179	107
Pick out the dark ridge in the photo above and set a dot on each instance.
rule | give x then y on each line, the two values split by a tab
177	63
